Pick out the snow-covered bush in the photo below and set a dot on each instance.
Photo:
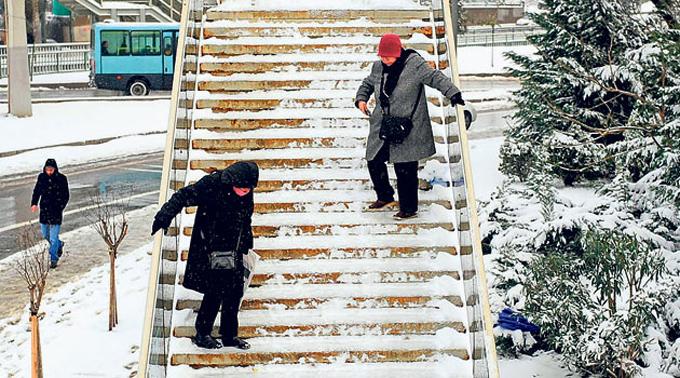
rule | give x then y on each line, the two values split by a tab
595	308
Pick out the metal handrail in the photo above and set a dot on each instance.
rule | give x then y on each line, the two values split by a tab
480	283
45	58
156	255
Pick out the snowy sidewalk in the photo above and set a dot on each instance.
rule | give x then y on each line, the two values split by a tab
84	250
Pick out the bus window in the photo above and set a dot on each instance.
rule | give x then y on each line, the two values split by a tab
146	42
167	46
115	42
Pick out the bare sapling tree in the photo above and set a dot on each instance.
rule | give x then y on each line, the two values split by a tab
33	265
109	218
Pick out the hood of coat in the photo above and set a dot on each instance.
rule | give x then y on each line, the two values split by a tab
242	174
51	163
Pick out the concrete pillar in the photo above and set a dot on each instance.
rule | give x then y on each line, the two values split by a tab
17	60
142	15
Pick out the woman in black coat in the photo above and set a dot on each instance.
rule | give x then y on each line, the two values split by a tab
52	193
223	223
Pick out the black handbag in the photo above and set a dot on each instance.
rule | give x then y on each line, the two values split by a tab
395	129
225	260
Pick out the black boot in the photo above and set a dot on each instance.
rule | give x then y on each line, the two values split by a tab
206	341
61	250
236	342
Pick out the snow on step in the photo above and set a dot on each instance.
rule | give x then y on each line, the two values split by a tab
423	238
443	340
446	312
316	5
438	286
338	57
444	367
442	262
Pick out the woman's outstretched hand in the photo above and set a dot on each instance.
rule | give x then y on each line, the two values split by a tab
363	106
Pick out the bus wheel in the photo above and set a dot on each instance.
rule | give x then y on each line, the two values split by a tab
138	88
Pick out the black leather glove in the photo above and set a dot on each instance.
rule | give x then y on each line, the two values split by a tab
457	99
158	224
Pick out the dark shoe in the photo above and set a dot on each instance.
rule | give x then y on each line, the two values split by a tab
53	264
379	204
236	342
404	215
61	250
206	341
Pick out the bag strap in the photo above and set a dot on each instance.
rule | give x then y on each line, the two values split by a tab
238	240
415	106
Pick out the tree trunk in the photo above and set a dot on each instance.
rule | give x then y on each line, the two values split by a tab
36	354
113	303
37	27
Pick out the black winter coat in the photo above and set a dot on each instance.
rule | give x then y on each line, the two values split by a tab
52	193
220	217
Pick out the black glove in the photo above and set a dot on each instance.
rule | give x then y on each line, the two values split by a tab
457	99
158	224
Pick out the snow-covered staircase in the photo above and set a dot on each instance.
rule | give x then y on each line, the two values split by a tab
338	291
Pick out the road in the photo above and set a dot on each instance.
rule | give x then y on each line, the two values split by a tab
139	177
39	93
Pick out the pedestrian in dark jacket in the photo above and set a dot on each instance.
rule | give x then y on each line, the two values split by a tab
223	223
51	192
397	81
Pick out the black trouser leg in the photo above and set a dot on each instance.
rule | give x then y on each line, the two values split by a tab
377	168
207	313
407	186
229	315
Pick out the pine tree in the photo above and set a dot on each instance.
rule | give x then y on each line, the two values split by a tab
574	101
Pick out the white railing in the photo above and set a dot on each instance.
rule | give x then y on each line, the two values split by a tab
48	58
480	326
498	36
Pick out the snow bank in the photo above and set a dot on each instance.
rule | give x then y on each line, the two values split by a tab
33	161
70	122
74	332
481	60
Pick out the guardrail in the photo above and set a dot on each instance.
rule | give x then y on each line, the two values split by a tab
498	36
48	58
480	326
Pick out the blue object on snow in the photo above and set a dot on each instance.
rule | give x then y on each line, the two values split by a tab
439	181
512	320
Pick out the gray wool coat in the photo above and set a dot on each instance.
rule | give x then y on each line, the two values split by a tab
419	144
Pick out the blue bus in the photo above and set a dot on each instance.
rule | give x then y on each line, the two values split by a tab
134	57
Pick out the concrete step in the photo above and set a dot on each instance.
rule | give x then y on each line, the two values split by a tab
444	368
232	30
261	46
223	102
316	15
404	227
336	62
339	322
327	349
357	271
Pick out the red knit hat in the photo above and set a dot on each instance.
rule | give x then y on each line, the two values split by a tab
390	46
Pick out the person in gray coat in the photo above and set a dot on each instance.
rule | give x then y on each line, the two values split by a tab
397	82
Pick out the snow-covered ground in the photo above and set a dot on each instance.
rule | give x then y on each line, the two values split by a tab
58	78
476	60
74	332
75	122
